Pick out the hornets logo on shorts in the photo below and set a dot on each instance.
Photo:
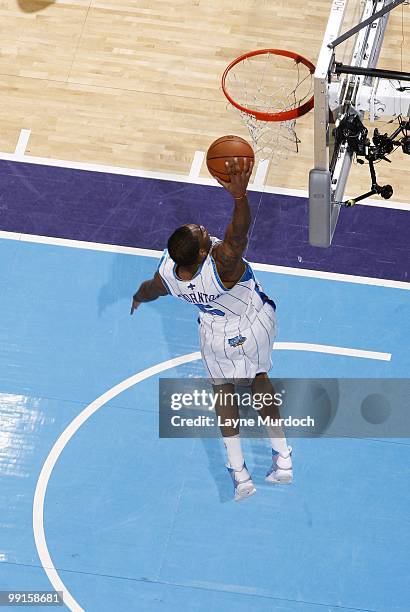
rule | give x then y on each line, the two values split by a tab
237	341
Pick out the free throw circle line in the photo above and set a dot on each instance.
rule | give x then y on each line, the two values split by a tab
80	419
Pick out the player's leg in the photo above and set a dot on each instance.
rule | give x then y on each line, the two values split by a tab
280	471
222	368
227	411
264	332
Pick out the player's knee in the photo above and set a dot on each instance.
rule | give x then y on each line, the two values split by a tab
229	432
262	383
262	375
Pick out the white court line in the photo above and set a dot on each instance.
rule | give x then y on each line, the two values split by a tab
382	204
260	174
65	437
196	164
79	244
332	350
22	142
111	248
334	276
80	419
169	176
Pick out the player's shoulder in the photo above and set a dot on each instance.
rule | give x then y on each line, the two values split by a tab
213	252
165	262
215	242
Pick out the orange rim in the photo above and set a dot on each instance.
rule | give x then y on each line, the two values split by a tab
288	115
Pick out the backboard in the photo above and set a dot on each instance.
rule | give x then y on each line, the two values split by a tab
337	94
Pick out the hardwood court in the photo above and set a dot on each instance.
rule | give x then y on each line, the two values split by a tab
136	83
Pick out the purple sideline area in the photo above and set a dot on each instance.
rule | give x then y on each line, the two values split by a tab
140	212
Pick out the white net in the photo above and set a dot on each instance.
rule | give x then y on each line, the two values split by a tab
270	83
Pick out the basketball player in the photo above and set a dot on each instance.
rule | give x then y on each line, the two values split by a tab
237	321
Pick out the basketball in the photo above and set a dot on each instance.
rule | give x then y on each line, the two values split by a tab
226	148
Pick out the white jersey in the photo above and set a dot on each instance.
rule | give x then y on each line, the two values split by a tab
237	325
227	310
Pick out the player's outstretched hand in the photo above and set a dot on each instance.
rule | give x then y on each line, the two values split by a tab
134	306
239	178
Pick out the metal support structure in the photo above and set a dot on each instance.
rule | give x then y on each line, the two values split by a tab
393	75
386	9
328	179
385	191
380	99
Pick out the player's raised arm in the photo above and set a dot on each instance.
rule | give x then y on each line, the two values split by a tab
149	290
228	254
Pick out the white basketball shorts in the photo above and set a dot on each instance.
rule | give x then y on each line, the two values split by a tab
227	358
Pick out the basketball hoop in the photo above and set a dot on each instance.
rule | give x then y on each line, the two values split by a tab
270	88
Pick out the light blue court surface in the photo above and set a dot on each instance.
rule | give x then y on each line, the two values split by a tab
132	522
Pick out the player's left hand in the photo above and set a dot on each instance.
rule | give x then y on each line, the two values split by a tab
239	178
134	305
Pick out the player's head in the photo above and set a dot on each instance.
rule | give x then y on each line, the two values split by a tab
189	244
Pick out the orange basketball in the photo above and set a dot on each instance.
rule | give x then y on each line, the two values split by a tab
225	148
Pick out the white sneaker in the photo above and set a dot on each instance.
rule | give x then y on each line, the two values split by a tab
281	471
242	483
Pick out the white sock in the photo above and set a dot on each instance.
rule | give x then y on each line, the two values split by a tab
278	441
234	452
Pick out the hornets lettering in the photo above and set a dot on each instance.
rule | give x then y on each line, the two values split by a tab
199	298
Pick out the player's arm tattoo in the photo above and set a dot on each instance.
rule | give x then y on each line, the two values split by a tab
228	254
150	290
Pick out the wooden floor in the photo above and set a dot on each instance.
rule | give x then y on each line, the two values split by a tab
136	83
